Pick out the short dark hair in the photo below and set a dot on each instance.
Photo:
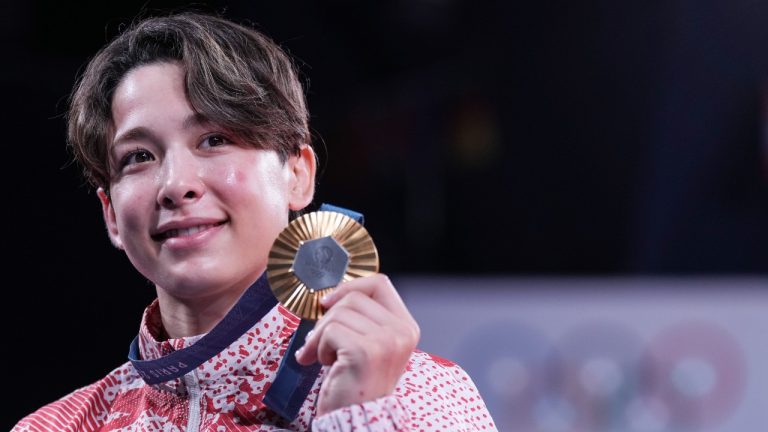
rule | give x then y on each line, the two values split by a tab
235	77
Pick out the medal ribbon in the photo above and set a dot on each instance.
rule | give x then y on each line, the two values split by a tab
255	302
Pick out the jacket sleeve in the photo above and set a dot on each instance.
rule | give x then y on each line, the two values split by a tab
433	394
83	410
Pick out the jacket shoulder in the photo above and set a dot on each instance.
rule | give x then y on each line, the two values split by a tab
84	409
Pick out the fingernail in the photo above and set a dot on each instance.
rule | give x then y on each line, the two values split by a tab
298	352
328	298
309	335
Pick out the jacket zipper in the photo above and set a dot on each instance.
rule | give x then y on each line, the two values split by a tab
195	395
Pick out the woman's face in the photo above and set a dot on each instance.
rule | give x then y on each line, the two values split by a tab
195	210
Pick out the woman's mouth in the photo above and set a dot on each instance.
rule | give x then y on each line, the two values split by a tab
184	232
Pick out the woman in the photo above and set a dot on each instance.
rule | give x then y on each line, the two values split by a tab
194	131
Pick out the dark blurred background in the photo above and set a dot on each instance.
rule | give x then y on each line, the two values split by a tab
477	137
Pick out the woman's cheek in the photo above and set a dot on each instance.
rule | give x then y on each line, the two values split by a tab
235	177
132	203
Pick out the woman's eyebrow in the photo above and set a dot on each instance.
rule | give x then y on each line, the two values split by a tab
134	134
195	119
143	133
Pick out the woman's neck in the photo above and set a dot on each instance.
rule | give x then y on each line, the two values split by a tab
184	317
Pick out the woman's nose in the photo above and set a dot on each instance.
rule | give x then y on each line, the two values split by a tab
180	181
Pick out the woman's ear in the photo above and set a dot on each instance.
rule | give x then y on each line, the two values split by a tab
302	187
109	218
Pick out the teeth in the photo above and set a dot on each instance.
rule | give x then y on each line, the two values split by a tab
183	232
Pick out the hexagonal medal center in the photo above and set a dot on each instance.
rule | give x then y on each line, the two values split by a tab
320	263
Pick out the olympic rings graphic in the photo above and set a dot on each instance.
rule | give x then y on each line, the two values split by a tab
603	376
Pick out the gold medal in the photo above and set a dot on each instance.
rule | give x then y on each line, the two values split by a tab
315	253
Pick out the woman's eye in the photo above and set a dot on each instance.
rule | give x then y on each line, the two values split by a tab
136	157
215	141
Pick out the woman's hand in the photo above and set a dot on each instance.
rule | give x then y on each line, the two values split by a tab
366	336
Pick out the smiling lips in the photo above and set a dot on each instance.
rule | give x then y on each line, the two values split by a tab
184	232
